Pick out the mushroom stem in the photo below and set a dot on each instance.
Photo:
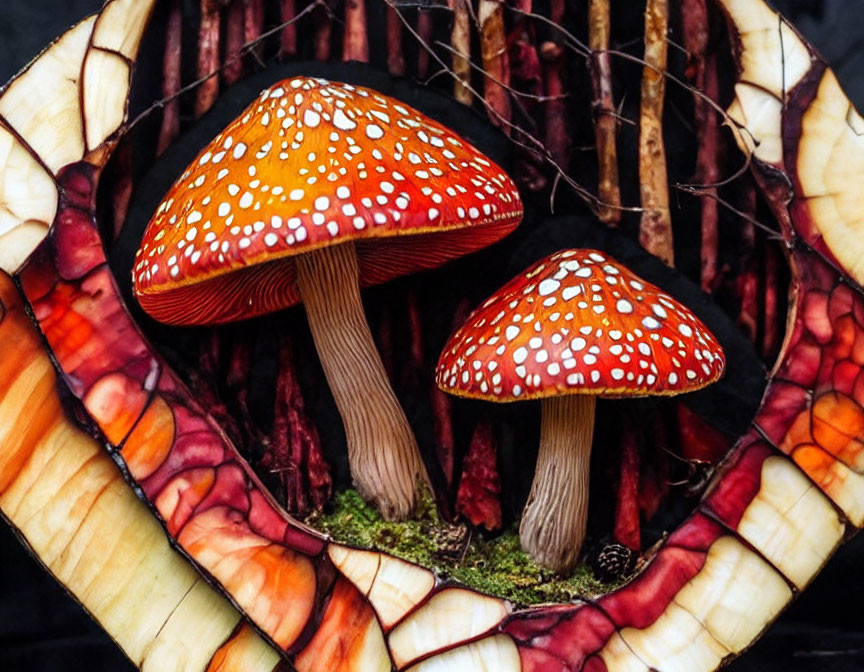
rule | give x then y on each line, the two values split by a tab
382	451
555	517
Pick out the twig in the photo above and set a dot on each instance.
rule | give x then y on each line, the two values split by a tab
493	50
604	112
655	228
170	127
460	40
355	44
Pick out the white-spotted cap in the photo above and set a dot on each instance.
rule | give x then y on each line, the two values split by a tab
313	163
578	322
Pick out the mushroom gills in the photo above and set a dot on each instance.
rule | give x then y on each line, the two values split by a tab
385	461
554	521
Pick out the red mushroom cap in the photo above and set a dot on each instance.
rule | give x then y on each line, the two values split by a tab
313	163
578	322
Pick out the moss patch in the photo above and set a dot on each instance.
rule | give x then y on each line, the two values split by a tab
494	565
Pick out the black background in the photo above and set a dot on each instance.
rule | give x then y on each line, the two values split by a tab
41	629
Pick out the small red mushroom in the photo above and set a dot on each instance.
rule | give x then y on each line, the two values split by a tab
573	326
317	189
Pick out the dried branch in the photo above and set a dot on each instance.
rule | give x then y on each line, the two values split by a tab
171	75
655	228
355	44
605	115
493	50
460	41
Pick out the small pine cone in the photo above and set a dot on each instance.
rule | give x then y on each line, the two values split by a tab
612	562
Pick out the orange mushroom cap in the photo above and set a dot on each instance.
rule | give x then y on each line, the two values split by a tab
578	322
313	163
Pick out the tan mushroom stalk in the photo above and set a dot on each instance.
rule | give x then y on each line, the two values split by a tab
573	326
316	190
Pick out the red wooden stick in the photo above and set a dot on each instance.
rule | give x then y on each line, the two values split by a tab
355	44
253	23
627	527
171	78
605	123
234	40
295	448
288	43
496	62
208	57
323	32
702	72
425	28
479	493
395	57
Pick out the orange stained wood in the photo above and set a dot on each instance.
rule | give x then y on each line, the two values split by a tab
344	634
151	440
115	402
838	427
313	163
274	585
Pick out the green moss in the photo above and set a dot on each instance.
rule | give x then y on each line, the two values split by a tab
494	565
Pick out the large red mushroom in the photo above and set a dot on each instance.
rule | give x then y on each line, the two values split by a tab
316	190
573	326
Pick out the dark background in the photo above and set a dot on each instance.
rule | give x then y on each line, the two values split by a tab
41	629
